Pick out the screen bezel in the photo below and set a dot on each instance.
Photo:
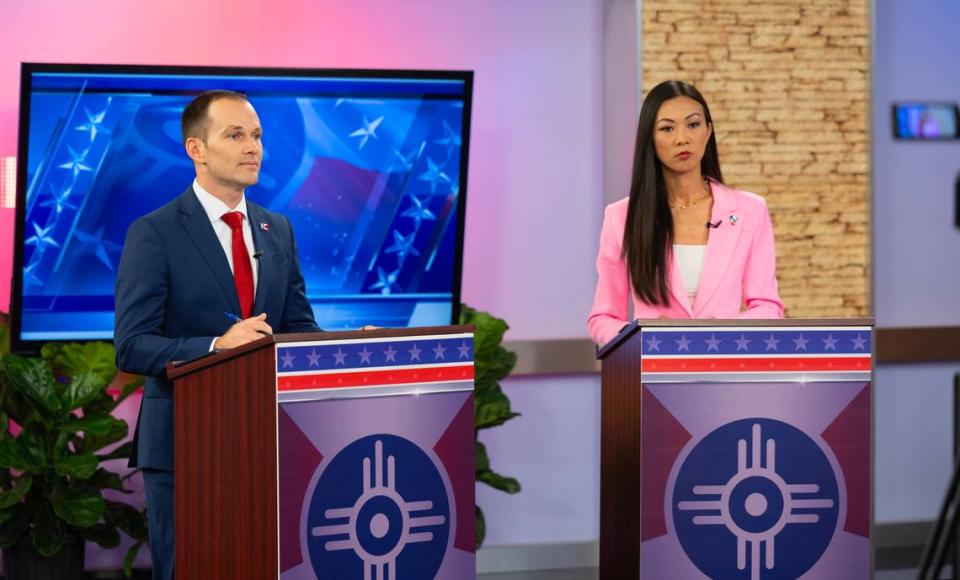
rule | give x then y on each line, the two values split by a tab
28	69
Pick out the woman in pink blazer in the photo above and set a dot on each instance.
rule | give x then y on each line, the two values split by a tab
683	244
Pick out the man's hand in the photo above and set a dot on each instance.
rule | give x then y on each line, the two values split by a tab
245	331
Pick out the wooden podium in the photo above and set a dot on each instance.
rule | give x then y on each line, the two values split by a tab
346	452
736	449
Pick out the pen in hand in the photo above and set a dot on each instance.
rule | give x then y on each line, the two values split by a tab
233	317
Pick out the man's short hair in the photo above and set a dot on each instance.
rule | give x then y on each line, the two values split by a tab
195	121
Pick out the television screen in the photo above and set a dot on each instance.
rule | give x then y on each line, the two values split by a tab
925	121
369	166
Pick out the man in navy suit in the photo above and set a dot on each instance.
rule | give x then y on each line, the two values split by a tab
207	271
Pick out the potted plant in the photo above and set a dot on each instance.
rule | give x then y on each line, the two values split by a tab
492	363
60	431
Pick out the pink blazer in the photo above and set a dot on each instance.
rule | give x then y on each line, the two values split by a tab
738	279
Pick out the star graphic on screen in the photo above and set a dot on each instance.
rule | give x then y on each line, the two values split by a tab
801	343
859	342
94	124
30	276
713	343
287	359
415	352
389	355
771	342
418	211
830	343
433	175
343	100
365	355
41	237
406	162
96	245
464	350
403	245
314	358
340	356
59	201
76	163
438	352
683	343
653	344
368	130
385	281
450	138
742	343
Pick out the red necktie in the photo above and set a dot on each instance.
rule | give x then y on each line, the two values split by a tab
242	273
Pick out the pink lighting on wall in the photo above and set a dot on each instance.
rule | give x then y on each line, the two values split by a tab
8	182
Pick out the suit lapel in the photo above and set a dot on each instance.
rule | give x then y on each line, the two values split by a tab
260	248
198	227
721	243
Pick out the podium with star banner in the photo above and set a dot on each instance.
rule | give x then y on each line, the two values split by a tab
330	455
736	449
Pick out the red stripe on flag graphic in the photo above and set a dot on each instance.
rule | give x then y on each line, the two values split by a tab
374	378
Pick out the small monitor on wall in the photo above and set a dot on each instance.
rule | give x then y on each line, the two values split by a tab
925	121
369	166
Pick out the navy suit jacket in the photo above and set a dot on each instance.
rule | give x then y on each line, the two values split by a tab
173	286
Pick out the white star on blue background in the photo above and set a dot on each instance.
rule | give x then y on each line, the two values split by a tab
653	344
713	343
385	281
76	163
407	161
41	237
389	354
742	343
287	359
403	245
771	342
801	343
438	351
94	124
829	343
683	343
418	211
30	276
414	352
314	358
59	201
433	175
340	356
365	355
368	130
450	138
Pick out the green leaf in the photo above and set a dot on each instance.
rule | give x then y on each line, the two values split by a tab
33	447
103	479
130	557
14	526
492	408
74	359
130	520
481	461
497	481
105	535
77	508
481	526
95	424
121	452
117	431
12	496
82	389
47	530
10	456
80	466
32	378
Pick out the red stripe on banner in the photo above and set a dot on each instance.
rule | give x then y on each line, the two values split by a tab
773	364
396	376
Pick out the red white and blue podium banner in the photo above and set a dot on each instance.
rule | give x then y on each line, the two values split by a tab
376	461
756	453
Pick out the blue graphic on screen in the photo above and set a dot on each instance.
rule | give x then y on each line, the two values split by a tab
366	169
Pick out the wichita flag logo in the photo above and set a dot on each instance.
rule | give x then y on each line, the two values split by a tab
772	501
379	512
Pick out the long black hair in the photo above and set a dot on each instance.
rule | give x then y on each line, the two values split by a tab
648	232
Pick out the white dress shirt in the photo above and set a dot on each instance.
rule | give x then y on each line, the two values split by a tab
690	260
215	210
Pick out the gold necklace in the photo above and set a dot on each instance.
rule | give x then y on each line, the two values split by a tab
705	195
